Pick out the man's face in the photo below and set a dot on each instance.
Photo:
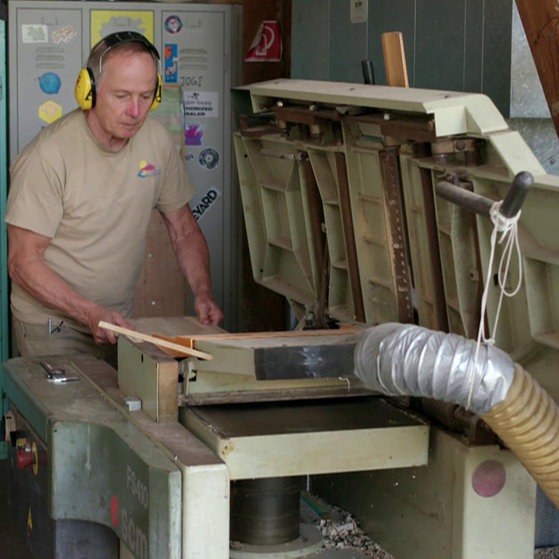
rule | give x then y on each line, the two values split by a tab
124	94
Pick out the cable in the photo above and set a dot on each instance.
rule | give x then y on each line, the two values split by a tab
508	229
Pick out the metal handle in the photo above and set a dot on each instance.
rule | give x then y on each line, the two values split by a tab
368	71
516	194
481	205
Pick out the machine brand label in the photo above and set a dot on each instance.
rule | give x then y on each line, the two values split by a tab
133	536
124	515
137	487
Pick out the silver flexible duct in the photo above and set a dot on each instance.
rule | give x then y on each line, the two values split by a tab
398	359
405	359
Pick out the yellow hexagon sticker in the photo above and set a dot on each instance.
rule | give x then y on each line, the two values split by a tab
50	111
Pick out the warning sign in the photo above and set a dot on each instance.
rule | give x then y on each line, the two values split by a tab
267	44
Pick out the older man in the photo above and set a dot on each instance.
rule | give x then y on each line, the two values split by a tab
80	202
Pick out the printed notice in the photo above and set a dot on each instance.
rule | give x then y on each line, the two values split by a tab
34	33
200	104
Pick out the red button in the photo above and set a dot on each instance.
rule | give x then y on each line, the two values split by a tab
24	458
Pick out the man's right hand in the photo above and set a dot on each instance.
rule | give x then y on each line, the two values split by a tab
101	335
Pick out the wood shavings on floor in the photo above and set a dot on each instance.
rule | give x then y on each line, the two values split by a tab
547	553
344	533
340	531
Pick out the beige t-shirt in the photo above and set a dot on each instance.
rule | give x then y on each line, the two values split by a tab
95	206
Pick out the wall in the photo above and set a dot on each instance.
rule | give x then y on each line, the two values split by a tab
459	45
463	45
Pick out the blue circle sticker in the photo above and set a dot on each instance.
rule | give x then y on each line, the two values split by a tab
50	83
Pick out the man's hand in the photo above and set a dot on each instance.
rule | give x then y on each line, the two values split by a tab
100	335
207	310
193	257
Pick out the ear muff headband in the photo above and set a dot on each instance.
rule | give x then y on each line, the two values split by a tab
84	90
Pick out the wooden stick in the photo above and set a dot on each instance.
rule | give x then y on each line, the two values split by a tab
190	338
394	59
155	341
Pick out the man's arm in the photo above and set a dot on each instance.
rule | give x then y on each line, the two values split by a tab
28	270
193	257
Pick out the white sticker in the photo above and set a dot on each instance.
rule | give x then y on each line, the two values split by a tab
63	35
204	203
200	104
359	11
34	33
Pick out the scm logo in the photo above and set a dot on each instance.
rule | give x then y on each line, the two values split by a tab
133	536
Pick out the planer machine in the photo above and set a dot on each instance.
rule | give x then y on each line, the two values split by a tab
188	457
364	206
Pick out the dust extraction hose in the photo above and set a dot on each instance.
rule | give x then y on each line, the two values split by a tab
402	359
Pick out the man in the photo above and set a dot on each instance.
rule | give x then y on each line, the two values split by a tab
80	201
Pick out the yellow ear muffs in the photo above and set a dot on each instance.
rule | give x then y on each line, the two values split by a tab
158	92
84	90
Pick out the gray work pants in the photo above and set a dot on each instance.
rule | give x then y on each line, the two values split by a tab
36	340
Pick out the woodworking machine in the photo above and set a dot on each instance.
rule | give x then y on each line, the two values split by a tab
363	205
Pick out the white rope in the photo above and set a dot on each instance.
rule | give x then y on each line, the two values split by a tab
508	229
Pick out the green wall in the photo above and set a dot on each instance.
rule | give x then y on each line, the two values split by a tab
460	45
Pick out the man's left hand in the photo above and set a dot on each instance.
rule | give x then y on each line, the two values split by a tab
207	310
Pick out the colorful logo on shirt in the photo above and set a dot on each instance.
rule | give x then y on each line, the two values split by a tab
147	170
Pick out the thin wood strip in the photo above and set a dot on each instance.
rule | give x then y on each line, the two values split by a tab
394	59
156	341
192	338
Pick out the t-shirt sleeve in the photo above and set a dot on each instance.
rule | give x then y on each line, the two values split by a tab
35	194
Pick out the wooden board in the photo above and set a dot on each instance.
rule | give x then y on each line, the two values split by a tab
540	24
395	59
158	341
161	289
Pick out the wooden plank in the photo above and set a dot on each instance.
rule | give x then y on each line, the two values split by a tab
302	334
160	294
540	24
155	341
394	59
174	325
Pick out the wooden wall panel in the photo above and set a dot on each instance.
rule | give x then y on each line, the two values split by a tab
161	289
254	12
260	308
541	24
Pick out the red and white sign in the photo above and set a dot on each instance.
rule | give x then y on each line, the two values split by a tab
267	44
